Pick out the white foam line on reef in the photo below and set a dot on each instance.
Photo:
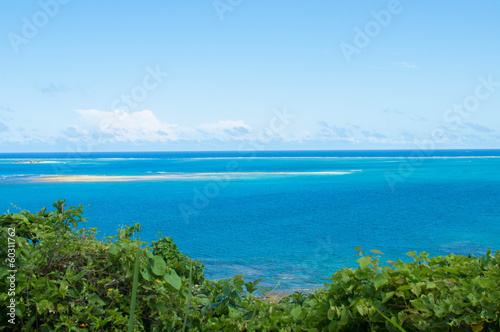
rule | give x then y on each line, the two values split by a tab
173	176
337	157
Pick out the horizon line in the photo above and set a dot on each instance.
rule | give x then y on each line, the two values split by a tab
252	151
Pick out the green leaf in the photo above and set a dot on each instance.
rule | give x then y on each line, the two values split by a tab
362	309
425	270
430	285
250	286
159	266
450	270
44	305
61	308
346	277
79	275
114	249
377	252
296	311
203	299
173	279
388	296
364	262
146	274
31	321
161	308
331	313
97	299
379	280
63	288
234	313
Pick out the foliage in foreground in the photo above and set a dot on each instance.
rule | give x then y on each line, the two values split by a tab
69	280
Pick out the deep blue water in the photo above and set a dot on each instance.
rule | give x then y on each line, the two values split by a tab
290	215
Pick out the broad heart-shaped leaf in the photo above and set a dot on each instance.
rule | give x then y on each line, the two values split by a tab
296	313
379	280
173	279
114	249
146	274
159	266
364	261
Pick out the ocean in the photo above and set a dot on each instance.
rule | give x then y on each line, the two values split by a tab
290	217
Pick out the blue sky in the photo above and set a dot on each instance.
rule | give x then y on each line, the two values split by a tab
216	75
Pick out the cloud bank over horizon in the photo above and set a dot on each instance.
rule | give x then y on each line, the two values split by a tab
103	130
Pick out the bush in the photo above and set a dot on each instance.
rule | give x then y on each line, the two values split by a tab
68	280
166	248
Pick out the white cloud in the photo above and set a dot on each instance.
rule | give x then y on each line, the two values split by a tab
225	130
144	126
348	133
406	65
120	126
97	127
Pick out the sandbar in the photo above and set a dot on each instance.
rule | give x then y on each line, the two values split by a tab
175	176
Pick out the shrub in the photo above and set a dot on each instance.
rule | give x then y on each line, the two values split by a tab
68	280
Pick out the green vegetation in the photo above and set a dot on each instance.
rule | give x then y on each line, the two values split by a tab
67	280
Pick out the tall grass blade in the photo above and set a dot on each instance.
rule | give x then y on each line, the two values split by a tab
189	296
390	321
134	291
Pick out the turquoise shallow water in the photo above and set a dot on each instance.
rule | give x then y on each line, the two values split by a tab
292	215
